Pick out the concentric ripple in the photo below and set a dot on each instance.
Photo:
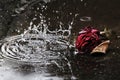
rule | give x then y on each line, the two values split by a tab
34	46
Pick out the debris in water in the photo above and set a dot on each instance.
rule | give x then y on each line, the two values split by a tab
101	48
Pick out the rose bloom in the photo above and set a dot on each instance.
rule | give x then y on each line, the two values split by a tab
87	40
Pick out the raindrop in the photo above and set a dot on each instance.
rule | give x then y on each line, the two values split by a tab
85	18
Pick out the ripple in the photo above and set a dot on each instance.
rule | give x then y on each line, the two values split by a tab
30	50
37	44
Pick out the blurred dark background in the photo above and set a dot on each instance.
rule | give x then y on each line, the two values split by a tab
102	12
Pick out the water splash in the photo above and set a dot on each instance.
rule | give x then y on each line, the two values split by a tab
36	41
39	44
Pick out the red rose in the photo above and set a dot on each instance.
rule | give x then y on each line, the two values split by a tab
87	39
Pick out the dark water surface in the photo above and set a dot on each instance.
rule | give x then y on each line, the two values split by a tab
15	18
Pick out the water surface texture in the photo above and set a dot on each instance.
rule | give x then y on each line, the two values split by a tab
37	39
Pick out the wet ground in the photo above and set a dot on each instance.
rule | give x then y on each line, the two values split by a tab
16	15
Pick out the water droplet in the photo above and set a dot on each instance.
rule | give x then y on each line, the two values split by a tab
85	18
37	8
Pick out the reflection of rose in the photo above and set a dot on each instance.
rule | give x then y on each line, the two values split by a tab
87	39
